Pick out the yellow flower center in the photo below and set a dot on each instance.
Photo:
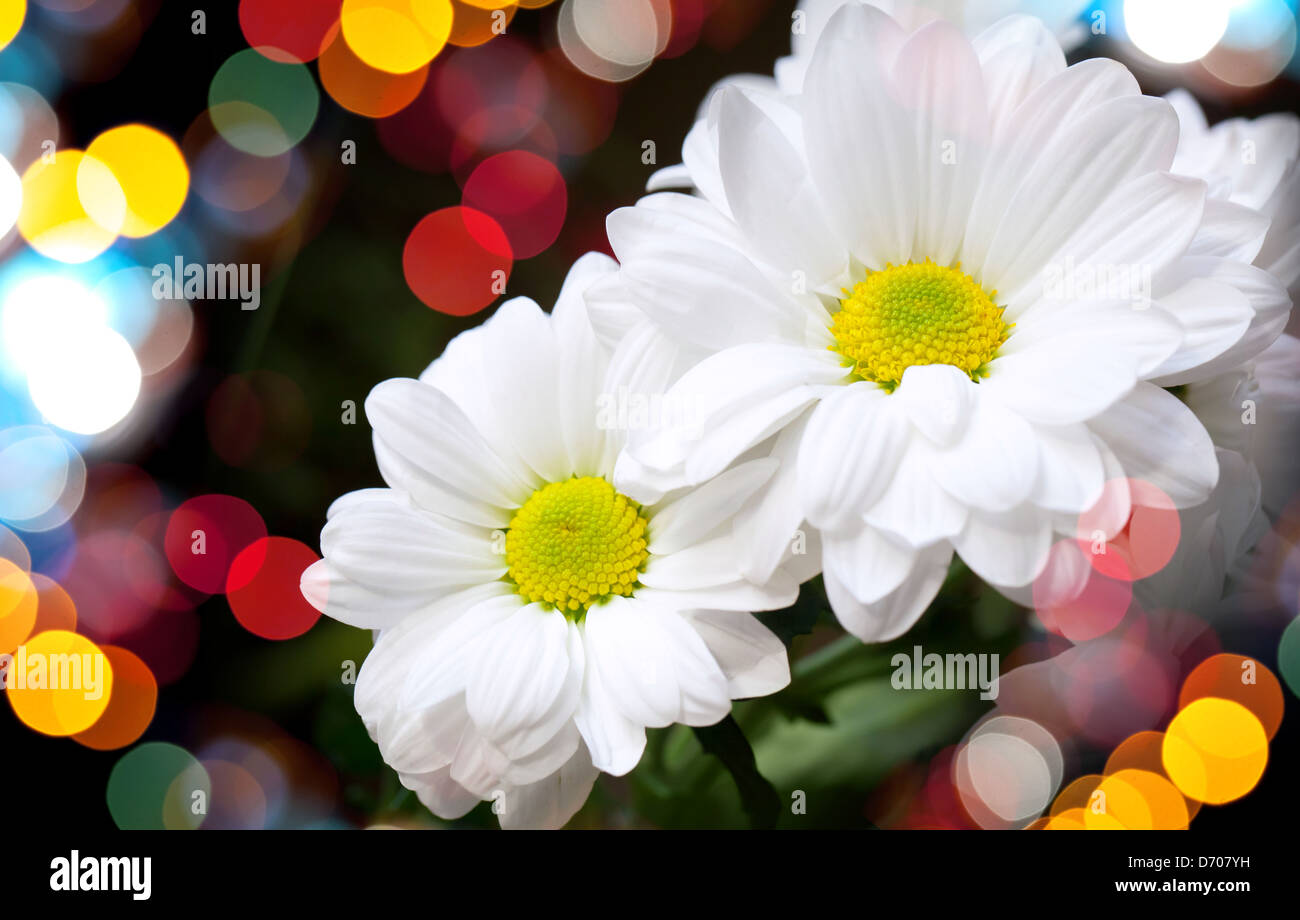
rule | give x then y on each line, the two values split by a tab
574	544
918	313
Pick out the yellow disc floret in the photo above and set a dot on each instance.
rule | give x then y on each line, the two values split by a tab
918	313
575	543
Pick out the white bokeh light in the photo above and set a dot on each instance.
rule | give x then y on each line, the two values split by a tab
39	313
88	383
1176	31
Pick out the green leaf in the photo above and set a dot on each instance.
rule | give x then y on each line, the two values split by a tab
728	743
799	618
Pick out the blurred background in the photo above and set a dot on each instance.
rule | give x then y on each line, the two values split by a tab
373	173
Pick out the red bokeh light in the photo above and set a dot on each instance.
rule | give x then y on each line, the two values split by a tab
205	534
263	592
1147	540
457	260
288	31
1074	599
525	194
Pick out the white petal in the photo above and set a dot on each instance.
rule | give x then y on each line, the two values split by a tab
615	741
366	497
441	666
1267	297
550	803
369	605
749	427
704	290
868	563
580	364
478	765
523	384
771	193
1157	438
894	615
779	591
407	551
416	740
766	527
994	465
1142	226
938	399
1214	317
746	393
439	793
704	565
1058	102
432	493
1120	139
424	426
461	371
942	86
548	758
914	507
693	517
860	139
1017	54
1230	231
1070	470
655	668
524	684
855	439
1007	548
750	655
1068	373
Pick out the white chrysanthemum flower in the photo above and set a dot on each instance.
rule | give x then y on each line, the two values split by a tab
1277	424
1253	416
1060	17
947	287
971	16
1252	412
1254	163
533	621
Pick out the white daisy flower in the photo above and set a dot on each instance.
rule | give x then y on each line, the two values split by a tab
1252	413
1277	423
532	621
1060	17
1253	163
946	287
1253	416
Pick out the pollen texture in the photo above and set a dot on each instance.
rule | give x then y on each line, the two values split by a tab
917	313
575	543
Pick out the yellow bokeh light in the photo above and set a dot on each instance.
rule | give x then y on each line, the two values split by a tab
1077	794
12	14
73	206
1116	805
1215	750
151	171
397	36
1162	807
18	605
1072	819
59	683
